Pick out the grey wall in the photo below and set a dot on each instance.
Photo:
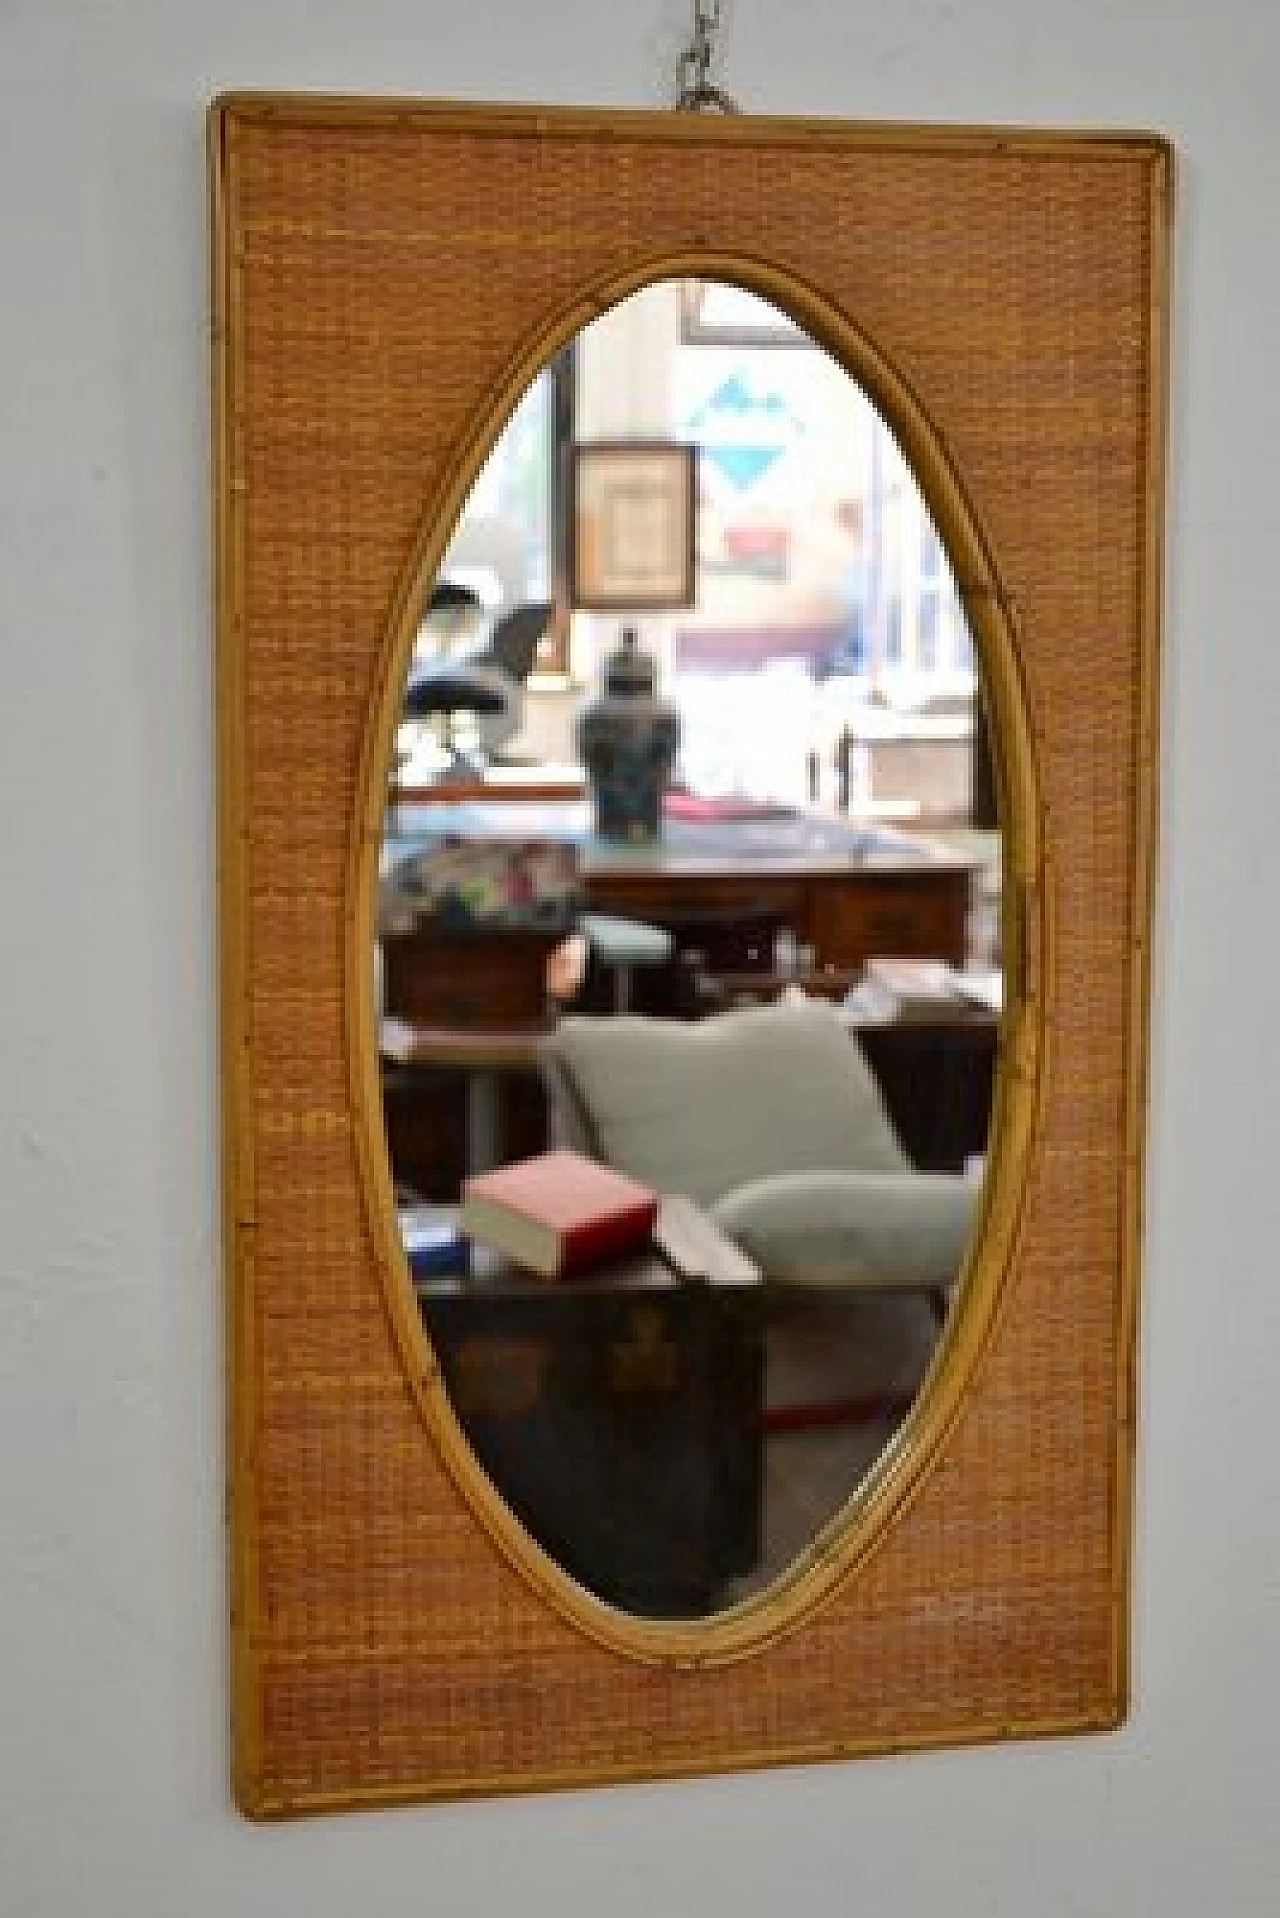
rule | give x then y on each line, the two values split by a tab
112	1671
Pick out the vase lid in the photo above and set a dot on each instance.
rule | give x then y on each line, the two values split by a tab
628	670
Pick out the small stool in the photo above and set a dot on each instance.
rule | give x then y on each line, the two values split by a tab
622	945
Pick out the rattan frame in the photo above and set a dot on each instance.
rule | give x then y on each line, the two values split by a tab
387	275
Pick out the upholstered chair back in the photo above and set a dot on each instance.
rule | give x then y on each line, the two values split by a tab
704	1108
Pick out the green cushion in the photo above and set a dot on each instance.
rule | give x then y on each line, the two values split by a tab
705	1107
894	1229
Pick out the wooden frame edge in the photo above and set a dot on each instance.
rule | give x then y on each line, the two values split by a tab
1144	882
961	1735
233	965
531	120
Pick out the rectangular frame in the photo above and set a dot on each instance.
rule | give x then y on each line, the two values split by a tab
695	330
391	1638
632	525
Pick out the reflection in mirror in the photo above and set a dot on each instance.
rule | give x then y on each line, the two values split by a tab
702	892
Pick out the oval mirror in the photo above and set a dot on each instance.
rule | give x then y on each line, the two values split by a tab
688	950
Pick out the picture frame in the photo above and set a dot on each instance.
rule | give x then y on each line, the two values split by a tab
726	315
632	521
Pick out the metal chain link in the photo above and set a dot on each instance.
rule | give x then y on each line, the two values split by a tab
694	88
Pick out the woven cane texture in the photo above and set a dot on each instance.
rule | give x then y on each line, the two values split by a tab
381	274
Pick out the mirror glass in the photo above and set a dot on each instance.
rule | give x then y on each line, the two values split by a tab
688	950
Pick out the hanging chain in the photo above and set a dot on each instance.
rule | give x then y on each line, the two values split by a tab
693	69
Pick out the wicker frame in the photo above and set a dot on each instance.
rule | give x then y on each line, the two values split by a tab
387	276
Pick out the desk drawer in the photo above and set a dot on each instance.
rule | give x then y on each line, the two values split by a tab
470	981
913	916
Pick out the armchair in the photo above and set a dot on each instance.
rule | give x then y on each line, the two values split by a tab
770	1119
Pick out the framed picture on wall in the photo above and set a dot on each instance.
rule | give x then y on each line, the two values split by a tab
631	524
716	313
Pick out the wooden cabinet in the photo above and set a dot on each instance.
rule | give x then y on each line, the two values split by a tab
620	1417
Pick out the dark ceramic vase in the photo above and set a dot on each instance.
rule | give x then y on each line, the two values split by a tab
627	739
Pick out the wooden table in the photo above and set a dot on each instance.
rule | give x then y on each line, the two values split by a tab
483	1055
850	890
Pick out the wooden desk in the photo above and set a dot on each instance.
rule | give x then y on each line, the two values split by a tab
620	1415
847	914
847	889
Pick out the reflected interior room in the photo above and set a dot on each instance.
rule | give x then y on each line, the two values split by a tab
691	868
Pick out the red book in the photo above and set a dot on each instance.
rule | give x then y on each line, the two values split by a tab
558	1213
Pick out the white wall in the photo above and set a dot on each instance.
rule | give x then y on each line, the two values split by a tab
112	1673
